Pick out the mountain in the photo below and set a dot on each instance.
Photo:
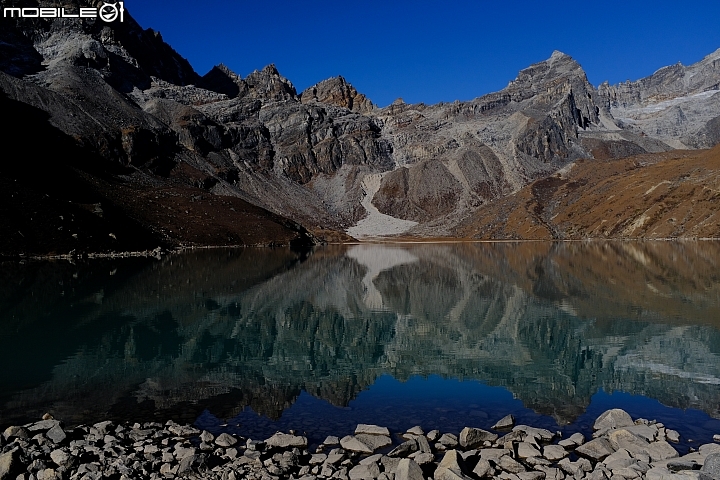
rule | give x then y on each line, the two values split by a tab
108	118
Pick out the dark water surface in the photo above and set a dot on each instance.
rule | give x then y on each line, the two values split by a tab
438	335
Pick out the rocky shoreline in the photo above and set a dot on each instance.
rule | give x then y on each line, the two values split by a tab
620	448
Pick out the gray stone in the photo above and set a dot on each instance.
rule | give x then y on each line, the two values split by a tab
15	432
450	467
424	458
672	435
493	454
352	444
318	458
525	450
407	469
10	464
404	449
475	437
648	432
364	472
282	440
416	430
449	440
614	418
596	449
371	459
539	433
554	452
661	450
42	425
207	437
60	457
509	465
423	444
56	434
508	421
331	440
534	475
551	473
225	440
711	466
679	465
371	430
535	461
483	468
374	441
390	464
433	435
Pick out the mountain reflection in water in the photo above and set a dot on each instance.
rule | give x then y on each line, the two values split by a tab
217	331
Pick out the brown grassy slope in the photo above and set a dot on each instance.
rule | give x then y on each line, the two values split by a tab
664	195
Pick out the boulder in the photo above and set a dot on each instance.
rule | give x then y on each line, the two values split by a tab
596	449
371	430
508	421
407	469
283	440
614	418
475	437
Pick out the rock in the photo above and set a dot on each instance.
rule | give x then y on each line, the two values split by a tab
364	472
10	465
56	434
451	467
531	475
493	454
509	465
661	450
614	418
449	440
433	435
282	440
59	457
483	468
404	449
539	433
535	461
352	444
525	450
596	449
42	425
554	452
672	435
648	432
552	473
407	469
207	437
371	430
374	441
225	440
508	421
679	465
331	440
15	432
711	466
424	458
416	430
475	437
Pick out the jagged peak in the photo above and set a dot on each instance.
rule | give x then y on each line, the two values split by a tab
558	55
337	91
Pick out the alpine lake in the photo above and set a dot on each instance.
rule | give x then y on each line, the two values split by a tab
257	340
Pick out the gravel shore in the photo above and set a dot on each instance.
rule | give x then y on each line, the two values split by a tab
620	448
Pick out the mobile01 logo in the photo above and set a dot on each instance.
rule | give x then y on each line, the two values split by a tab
108	12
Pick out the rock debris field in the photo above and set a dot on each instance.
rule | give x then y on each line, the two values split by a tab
620	448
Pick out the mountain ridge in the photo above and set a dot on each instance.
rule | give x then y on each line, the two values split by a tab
327	158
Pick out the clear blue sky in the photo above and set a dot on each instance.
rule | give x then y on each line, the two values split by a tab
432	51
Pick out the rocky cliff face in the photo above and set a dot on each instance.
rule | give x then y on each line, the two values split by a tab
677	104
327	158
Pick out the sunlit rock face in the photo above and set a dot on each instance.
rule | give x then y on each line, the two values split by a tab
553	323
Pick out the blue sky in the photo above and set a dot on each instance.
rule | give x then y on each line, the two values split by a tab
432	51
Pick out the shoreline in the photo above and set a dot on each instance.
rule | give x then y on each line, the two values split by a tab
620	448
159	251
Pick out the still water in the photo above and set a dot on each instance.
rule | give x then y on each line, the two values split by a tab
438	335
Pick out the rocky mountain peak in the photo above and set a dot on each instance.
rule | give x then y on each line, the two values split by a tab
268	84
221	79
337	91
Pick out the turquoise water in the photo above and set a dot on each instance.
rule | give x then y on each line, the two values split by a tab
440	335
